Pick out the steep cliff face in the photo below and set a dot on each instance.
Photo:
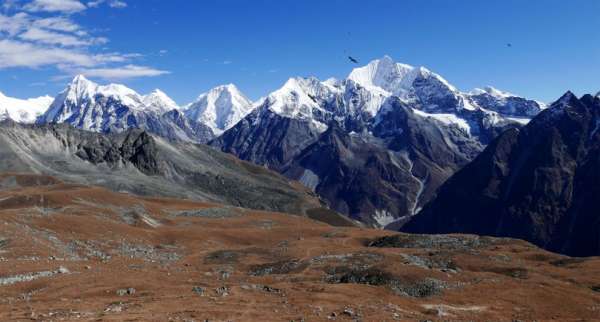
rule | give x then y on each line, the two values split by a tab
538	183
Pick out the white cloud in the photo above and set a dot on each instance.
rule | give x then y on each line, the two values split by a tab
9	4
58	24
12	25
22	54
117	4
52	38
55	40
127	71
64	6
111	3
227	62
95	4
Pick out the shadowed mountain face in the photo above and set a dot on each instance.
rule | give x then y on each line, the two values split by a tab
137	162
380	176
539	183
266	138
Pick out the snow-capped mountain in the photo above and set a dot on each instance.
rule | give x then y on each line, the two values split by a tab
428	127
396	127
505	103
355	101
158	102
23	111
115	108
411	84
220	108
481	112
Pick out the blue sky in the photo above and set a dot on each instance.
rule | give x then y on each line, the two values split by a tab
185	47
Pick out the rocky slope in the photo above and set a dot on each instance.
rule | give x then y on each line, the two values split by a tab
138	162
386	176
538	184
72	252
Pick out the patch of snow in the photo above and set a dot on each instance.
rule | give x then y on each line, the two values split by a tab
465	103
596	127
448	119
309	179
492	91
383	218
521	120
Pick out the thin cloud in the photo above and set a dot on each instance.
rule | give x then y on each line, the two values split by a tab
112	3
59	24
9	4
54	38
22	54
227	62
128	71
12	25
63	6
95	4
117	4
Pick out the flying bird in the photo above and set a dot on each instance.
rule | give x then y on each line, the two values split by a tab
353	60
509	45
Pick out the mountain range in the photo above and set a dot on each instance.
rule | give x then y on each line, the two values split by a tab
391	146
375	146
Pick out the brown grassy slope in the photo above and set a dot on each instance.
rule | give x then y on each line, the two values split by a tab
259	266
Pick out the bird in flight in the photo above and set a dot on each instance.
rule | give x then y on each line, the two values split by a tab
352	59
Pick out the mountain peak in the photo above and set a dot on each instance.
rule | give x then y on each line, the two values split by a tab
79	78
222	88
492	91
159	102
566	99
157	92
220	108
385	76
